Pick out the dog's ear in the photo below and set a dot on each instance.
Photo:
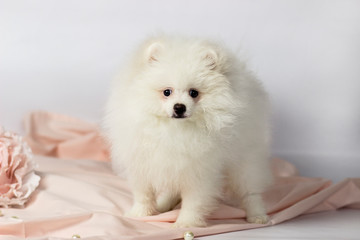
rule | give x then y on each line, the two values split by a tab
210	58
153	51
215	58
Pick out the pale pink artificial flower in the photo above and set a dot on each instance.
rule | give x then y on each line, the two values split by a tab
17	170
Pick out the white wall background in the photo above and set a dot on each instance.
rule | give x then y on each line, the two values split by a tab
60	56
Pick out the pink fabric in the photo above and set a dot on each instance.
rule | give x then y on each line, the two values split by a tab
65	137
84	197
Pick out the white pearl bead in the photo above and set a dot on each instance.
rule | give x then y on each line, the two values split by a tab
188	236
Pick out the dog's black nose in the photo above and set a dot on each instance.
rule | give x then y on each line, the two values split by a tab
179	109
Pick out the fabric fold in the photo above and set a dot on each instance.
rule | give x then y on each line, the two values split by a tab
62	136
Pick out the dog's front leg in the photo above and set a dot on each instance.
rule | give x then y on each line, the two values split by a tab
144	201
199	199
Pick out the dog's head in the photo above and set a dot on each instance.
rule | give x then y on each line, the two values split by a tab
185	80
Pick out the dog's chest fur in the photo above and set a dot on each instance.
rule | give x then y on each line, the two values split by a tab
172	152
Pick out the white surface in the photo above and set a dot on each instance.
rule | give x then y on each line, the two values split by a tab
60	56
342	224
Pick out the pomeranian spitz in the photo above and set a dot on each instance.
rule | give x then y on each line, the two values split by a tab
186	121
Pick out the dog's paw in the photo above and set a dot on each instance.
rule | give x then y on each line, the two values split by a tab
189	221
182	224
140	210
262	219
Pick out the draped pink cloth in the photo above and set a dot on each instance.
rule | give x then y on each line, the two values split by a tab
84	197
64	137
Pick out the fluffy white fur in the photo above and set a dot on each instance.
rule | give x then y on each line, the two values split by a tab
218	147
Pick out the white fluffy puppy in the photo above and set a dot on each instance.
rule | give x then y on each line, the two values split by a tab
186	120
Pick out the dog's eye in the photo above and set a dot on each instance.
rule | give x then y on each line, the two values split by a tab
193	93
167	92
